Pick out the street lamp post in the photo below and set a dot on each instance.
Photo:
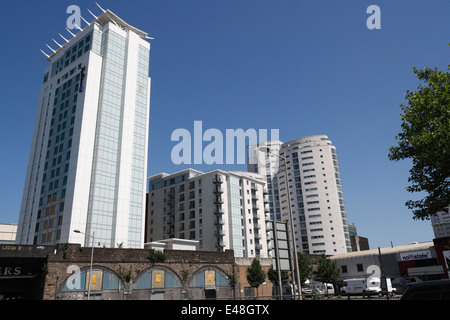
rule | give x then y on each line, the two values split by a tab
291	220
92	259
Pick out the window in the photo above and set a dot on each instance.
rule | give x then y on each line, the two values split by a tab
359	267
78	281
209	278
150	280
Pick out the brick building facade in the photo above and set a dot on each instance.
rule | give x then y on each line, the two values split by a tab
62	272
132	274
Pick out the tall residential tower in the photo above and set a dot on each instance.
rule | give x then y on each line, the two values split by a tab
315	191
88	162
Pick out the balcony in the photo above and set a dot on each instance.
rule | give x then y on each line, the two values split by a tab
255	216
218	200
218	190
219	233
218	180
218	211
170	220
265	191
254	197
220	244
219	221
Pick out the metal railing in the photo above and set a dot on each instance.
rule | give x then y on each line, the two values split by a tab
318	296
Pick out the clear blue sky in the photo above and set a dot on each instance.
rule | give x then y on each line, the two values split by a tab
303	67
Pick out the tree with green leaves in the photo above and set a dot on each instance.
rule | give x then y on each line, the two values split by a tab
272	274
425	138
255	274
327	270
304	266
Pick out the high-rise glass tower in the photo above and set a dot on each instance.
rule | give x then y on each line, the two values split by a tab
88	161
314	187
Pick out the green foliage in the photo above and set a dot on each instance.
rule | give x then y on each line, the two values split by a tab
65	249
125	275
425	138
327	270
232	279
44	268
255	274
272	274
156	256
304	266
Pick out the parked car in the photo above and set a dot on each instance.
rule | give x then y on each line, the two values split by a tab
428	290
396	283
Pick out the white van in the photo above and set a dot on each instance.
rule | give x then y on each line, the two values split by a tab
321	288
364	286
329	288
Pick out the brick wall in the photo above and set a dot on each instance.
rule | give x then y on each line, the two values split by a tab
184	264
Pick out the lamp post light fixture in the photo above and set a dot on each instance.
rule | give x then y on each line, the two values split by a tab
92	258
291	222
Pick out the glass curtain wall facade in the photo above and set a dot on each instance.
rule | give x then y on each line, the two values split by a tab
236	216
88	161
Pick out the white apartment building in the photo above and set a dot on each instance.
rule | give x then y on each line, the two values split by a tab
315	191
441	224
220	209
268	165
87	168
8	233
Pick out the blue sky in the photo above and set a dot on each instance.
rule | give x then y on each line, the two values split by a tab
303	67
